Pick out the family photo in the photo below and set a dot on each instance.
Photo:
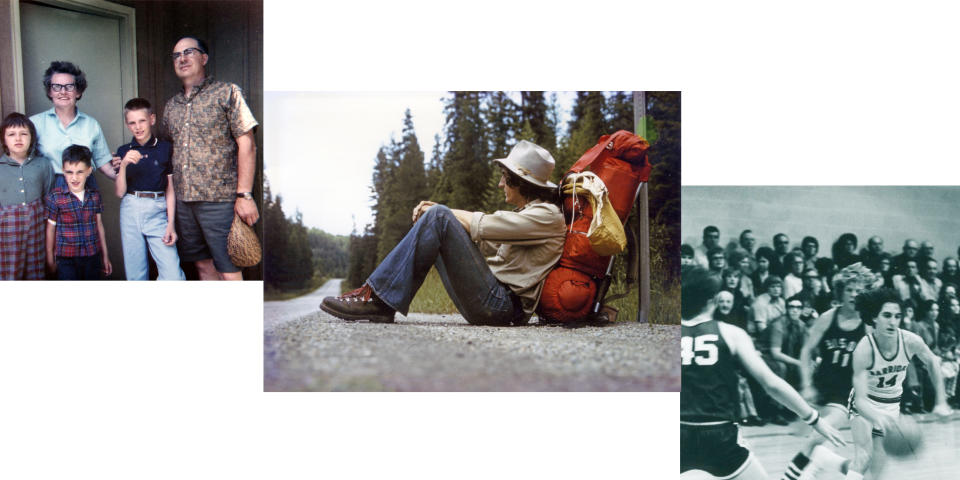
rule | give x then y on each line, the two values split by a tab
139	164
456	217
859	341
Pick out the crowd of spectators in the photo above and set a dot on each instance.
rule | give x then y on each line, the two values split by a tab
776	293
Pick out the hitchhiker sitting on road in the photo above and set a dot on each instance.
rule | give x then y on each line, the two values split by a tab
492	265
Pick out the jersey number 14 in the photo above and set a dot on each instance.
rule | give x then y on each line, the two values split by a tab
701	350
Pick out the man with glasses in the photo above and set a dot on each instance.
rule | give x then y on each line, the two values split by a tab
814	298
214	161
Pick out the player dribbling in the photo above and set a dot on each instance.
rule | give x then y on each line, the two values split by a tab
880	363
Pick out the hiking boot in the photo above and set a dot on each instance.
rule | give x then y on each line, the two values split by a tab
359	304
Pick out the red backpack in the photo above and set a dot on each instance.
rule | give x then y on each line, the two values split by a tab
570	289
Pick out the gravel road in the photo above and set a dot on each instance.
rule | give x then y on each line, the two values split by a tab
308	350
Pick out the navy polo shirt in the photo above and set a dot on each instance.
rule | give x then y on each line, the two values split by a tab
150	174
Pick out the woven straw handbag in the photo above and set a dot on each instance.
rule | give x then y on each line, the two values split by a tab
243	244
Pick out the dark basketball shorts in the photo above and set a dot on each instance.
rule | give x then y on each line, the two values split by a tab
830	394
715	449
202	229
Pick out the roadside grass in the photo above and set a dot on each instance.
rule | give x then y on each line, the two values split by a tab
271	294
432	297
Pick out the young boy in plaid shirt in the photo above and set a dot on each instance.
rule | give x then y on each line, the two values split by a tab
76	245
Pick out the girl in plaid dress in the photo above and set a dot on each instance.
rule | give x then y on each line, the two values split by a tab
25	178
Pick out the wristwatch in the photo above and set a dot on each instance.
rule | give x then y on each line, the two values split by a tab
247	195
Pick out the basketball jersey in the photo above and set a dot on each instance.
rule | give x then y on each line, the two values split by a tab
836	356
885	376
707	373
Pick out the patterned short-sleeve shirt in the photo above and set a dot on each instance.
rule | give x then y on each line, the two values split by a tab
203	128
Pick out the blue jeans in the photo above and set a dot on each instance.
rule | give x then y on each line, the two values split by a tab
143	221
80	268
437	238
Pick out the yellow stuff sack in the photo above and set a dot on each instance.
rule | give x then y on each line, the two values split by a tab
606	233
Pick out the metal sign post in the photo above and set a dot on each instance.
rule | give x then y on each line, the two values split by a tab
643	214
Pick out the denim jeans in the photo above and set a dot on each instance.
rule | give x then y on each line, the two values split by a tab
143	222
80	268
437	238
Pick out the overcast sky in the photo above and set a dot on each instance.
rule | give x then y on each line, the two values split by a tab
320	148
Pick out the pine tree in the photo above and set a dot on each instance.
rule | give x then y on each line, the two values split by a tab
466	156
536	114
618	112
406	187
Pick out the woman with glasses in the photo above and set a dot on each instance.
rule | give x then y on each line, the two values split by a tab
65	125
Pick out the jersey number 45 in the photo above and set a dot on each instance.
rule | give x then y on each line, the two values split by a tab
702	350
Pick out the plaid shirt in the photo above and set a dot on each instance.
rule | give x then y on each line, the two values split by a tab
76	221
204	128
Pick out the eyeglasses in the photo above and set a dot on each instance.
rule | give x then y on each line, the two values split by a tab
794	305
187	52
56	87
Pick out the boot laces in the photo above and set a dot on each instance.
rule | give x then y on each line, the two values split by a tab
362	294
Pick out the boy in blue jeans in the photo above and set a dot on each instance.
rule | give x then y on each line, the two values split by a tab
76	245
148	204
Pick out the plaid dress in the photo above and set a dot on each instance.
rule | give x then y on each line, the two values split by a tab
22	235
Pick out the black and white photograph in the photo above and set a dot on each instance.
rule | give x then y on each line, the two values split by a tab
829	306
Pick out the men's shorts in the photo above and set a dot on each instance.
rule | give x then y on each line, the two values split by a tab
890	408
830	394
715	449
202	229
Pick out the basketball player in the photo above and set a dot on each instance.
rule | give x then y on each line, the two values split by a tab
832	337
711	351
880	364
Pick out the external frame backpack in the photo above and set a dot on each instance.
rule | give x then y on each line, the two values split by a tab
570	289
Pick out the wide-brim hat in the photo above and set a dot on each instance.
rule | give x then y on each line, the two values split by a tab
530	162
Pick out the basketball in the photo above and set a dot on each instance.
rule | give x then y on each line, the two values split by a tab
903	439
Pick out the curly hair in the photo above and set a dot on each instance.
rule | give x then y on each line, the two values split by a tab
854	273
59	66
870	303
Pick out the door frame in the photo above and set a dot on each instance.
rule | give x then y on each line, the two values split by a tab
12	86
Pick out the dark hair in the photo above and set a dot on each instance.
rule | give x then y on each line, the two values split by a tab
870	302
18	120
781	234
60	66
909	303
200	43
809	239
526	189
137	104
686	249
771	281
924	308
825	266
729	272
697	287
77	154
709	229
766	252
713	251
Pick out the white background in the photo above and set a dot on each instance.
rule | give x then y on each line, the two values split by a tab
164	381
